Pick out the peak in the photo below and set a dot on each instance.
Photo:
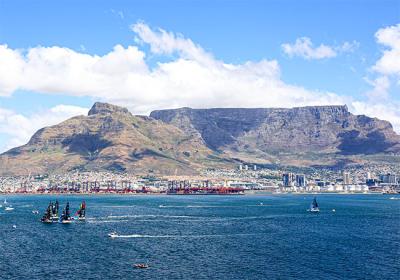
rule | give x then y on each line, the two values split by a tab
106	108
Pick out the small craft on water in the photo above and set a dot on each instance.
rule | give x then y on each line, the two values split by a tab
9	208
113	234
82	211
54	210
35	212
141	265
66	216
314	206
47	216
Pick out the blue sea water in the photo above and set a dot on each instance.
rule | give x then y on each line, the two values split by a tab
204	237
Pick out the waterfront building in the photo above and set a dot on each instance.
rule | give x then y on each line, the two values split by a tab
300	180
346	178
288	179
388	178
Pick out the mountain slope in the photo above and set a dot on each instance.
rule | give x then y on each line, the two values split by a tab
182	141
109	138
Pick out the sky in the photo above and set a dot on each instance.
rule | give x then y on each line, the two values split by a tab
59	57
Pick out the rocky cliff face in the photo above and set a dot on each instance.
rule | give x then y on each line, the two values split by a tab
324	129
182	141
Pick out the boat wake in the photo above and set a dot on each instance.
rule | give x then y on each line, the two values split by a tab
181	236
105	221
150	216
211	206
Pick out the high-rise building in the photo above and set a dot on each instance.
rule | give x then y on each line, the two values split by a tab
346	178
288	179
388	179
300	180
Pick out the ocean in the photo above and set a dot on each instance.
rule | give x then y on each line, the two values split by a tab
204	237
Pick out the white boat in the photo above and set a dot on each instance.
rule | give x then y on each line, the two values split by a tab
5	201
8	208
113	234
35	212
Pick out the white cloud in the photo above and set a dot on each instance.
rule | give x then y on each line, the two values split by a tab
19	128
380	88
303	47
191	77
389	63
383	111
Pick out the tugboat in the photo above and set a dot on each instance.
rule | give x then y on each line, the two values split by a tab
66	216
314	206
47	216
82	212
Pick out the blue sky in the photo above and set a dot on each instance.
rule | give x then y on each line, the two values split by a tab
231	32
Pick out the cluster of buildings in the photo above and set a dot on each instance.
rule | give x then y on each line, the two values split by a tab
246	178
385	183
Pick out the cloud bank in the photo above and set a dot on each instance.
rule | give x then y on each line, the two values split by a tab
190	77
20	128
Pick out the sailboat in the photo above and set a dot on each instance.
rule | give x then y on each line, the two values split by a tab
66	216
314	206
47	219
82	211
54	211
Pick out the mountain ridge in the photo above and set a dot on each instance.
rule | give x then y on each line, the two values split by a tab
186	140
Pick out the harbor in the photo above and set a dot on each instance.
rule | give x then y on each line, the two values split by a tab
201	237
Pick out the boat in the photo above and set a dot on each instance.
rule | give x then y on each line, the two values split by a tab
113	234
141	265
314	206
66	216
82	211
9	208
35	212
54	211
47	215
5	201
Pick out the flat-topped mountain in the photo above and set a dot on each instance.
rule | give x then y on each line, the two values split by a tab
182	141
270	133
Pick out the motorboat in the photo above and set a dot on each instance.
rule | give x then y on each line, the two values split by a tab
141	265
113	234
9	208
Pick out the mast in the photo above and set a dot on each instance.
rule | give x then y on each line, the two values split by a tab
67	214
